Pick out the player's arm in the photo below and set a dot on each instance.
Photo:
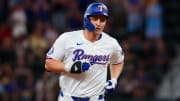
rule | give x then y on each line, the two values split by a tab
115	70
52	65
56	66
116	61
116	67
54	59
55	54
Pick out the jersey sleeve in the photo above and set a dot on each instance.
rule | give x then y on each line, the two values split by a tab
57	51
117	54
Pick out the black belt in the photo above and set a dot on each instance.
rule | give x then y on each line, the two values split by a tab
75	98
80	98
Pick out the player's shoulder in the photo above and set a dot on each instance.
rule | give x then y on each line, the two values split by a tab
71	34
107	37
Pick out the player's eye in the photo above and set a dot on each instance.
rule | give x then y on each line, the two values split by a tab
102	19
95	18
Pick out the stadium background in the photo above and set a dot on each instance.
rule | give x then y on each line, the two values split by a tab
29	27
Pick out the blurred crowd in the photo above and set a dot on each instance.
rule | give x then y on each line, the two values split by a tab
29	27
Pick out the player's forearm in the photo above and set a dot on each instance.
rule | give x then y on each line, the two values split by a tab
52	65
115	70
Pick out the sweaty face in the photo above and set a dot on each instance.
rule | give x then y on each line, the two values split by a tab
99	21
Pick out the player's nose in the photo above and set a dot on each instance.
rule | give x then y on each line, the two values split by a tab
98	21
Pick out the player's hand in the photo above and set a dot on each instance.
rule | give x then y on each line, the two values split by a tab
77	67
110	86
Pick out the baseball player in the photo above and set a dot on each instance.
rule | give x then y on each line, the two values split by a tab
82	57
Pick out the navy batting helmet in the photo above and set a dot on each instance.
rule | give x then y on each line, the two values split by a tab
94	9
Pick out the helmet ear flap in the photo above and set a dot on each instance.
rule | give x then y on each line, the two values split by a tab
88	24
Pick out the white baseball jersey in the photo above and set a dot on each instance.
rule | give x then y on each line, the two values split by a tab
73	46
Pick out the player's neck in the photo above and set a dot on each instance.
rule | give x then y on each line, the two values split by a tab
91	36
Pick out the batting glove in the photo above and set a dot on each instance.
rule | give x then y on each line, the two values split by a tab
77	67
110	86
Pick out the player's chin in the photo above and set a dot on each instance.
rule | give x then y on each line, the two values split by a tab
98	31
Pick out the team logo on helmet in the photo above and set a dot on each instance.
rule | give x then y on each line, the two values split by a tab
101	7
